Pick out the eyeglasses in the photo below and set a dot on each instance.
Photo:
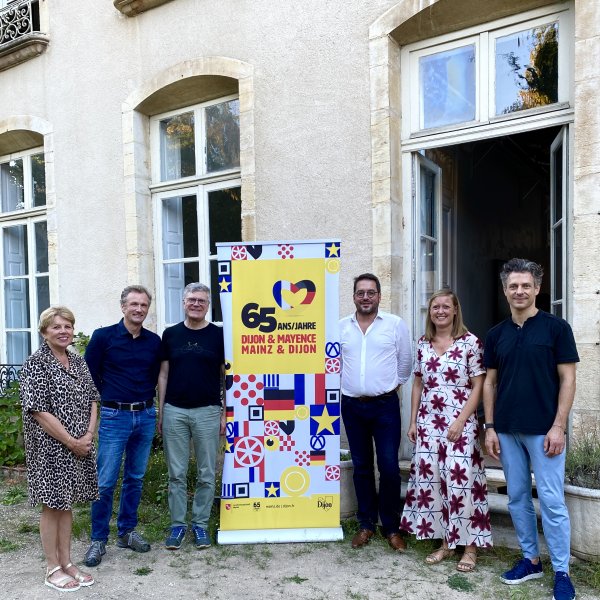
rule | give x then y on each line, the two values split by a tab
198	301
365	293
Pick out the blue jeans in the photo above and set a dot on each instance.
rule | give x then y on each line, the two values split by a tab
379	421
519	453
121	432
201	425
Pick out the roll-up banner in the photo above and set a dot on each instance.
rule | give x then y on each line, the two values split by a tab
281	474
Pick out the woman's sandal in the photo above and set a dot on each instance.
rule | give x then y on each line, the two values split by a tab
84	579
439	555
62	582
467	566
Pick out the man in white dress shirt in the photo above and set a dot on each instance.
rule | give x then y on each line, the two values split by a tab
376	361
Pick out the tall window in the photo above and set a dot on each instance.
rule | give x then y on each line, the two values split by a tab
196	194
24	252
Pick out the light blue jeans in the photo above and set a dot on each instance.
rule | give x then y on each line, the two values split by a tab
121	433
519	453
201	425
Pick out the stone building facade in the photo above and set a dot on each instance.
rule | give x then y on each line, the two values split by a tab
436	138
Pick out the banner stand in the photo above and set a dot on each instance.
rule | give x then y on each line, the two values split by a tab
278	536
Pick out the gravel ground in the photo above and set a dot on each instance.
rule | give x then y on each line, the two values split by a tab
317	571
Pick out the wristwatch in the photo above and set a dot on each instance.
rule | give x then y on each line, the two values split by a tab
487	426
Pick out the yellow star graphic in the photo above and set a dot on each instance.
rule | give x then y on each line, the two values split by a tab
272	490
228	446
224	285
333	250
325	421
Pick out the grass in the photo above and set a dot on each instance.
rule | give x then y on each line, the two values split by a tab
460	582
295	579
7	545
16	494
143	571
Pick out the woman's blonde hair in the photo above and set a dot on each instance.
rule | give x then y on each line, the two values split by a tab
47	317
458	326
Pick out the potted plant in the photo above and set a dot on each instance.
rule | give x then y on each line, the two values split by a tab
582	493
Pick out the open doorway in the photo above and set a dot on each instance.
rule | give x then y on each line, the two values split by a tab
495	204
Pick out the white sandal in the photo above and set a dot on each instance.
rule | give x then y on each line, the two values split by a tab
84	579
60	584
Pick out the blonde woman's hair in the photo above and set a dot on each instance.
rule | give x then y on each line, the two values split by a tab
458	326
47	317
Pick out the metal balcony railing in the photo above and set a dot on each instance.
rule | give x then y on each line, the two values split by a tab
18	19
8	374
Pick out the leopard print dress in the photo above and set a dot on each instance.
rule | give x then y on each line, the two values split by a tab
55	476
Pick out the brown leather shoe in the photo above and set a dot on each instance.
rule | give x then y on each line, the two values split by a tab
362	538
396	542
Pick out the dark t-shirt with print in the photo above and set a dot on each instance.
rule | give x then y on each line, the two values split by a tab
195	357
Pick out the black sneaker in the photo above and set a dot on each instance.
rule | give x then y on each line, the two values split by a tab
134	541
94	554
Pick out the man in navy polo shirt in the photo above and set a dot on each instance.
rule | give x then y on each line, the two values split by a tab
124	360
527	396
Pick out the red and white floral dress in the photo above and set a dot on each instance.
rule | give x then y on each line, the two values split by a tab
447	489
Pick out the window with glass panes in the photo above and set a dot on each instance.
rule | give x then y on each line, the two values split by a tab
25	289
196	193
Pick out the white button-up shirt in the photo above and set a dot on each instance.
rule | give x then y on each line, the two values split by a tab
377	361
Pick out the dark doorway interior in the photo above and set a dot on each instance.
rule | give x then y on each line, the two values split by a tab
502	210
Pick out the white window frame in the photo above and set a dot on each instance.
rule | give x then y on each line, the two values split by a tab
486	35
28	216
200	185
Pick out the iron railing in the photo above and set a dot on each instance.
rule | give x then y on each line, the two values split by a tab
17	19
8	374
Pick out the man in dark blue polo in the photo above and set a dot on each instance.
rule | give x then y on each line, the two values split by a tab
124	360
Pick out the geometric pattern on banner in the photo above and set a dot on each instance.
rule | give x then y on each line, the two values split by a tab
332	396
249	452
225	284
224	267
317	457
271	381
302	458
247	389
241	490
286	443
332	349
332	365
332	472
325	419
238	253
333	249
317	442
272	489
255	413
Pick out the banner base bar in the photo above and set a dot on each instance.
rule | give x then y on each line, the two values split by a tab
280	536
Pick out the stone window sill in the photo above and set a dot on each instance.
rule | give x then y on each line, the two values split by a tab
131	8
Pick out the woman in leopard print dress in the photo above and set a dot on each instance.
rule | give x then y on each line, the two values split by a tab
59	398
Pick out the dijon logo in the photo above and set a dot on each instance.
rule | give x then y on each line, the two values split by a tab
325	502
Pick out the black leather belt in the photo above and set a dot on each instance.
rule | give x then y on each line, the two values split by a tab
371	398
132	406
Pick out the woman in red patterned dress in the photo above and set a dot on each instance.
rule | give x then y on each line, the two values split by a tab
447	490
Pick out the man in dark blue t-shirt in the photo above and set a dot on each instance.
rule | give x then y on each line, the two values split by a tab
528	394
190	408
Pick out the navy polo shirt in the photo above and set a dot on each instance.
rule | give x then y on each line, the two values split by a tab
526	359
124	368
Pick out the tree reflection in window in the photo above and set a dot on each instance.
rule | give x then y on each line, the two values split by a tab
527	69
223	136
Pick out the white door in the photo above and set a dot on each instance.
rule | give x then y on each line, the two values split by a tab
558	215
428	243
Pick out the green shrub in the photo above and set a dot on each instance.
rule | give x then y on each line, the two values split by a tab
12	449
582	467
